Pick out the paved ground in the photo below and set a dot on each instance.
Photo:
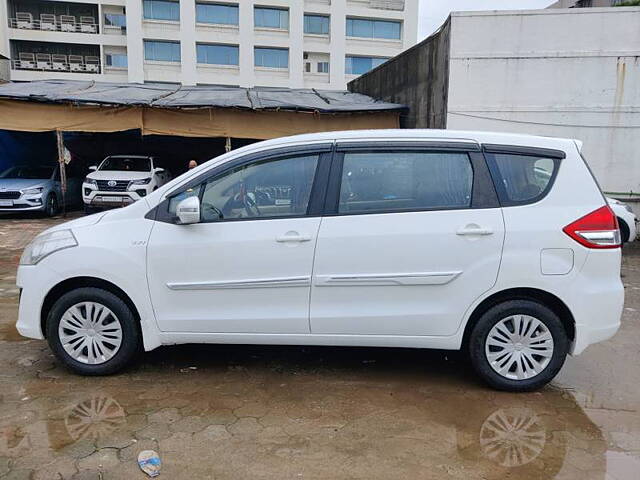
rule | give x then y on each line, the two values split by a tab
317	413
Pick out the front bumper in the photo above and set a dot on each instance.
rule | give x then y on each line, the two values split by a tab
34	283
91	196
23	204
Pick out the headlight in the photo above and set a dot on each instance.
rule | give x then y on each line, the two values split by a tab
91	181
46	244
32	191
144	181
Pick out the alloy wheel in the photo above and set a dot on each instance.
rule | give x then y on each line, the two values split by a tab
519	347
90	333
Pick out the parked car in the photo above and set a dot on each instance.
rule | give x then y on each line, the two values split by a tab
399	238
626	219
36	188
120	180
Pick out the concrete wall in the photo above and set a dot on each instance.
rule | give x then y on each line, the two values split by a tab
418	78
566	73
4	69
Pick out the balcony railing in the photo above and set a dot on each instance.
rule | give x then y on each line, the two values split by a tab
56	63
53	23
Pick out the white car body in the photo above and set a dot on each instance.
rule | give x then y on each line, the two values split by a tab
408	279
626	218
108	188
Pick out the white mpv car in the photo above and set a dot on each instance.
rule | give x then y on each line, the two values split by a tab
501	245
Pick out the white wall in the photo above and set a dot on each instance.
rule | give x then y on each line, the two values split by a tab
565	73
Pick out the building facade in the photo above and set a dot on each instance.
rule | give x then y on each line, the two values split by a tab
280	43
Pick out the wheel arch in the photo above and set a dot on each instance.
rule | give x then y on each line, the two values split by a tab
80	282
522	293
625	231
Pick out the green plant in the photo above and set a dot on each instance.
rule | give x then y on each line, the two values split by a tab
628	3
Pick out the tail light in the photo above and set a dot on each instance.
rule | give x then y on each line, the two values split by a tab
598	229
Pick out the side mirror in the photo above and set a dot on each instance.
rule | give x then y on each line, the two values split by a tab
93	168
188	210
158	170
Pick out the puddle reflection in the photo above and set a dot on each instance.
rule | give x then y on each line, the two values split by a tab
94	418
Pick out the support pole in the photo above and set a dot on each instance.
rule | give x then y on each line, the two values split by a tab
227	145
63	171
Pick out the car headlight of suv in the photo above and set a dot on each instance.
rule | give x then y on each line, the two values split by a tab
32	191
144	181
91	181
46	244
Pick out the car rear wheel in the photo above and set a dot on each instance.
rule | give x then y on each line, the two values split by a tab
624	230
51	207
518	345
92	331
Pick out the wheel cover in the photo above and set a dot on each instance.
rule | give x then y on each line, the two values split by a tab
519	347
90	333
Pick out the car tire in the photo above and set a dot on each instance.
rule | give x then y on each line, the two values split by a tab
51	205
624	230
518	345
112	318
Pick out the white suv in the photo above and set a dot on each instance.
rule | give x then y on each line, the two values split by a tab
120	180
501	245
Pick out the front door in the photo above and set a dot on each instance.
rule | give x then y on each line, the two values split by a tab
415	237
246	268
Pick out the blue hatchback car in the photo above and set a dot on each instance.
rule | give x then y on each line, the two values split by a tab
36	188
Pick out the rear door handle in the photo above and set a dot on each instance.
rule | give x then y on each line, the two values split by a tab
474	230
293	237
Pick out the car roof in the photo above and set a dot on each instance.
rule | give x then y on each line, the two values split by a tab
474	137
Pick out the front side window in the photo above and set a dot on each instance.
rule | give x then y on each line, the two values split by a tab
404	181
365	28
265	17
215	54
271	57
263	189
163	51
358	65
316	24
524	178
161	10
217	13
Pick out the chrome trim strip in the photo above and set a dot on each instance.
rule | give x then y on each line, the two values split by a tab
396	279
253	283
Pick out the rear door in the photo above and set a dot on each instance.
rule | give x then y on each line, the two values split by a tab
412	236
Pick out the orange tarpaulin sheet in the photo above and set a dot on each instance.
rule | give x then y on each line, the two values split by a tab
201	122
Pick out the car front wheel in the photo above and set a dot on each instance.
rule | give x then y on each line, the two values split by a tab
92	331
518	345
51	207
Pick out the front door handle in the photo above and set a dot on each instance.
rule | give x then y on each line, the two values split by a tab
474	230
293	237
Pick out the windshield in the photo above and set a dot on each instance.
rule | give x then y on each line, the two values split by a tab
126	164
37	172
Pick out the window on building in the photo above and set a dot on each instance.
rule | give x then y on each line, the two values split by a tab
265	17
161	50
307	67
217	54
271	57
161	10
385	29
217	13
115	19
323	67
359	65
316	24
117	60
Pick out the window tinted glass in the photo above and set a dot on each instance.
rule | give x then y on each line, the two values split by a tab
217	13
359	65
271	57
271	18
316	24
28	172
162	51
126	164
405	181
361	27
217	54
161	10
272	188
524	178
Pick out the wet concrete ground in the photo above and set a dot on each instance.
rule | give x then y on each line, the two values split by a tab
246	412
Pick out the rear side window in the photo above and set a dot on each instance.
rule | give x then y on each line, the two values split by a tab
522	179
404	181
